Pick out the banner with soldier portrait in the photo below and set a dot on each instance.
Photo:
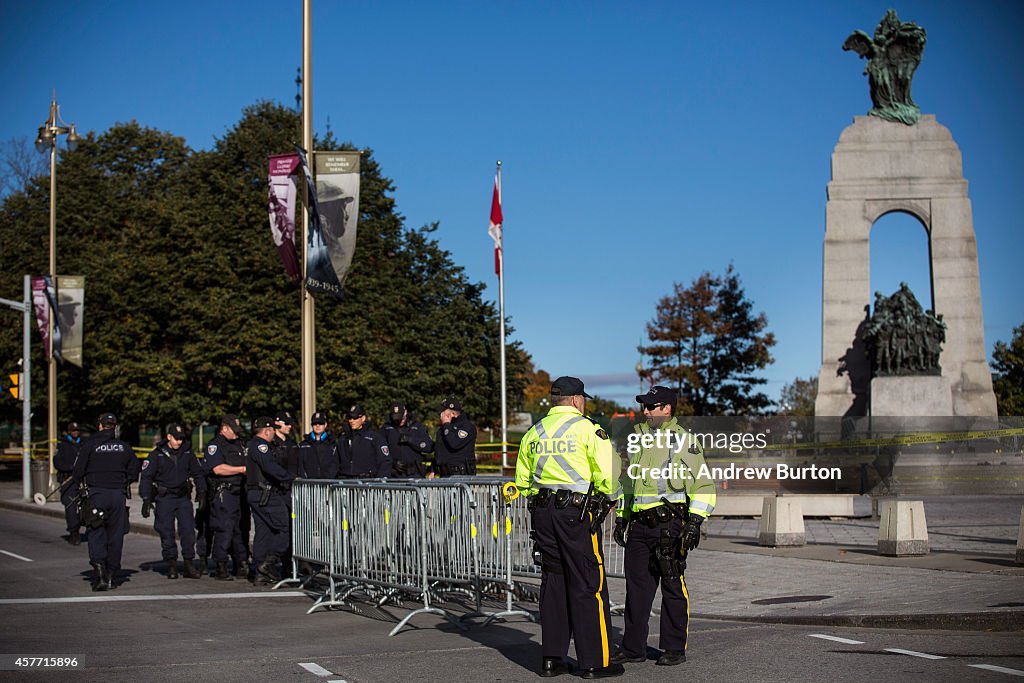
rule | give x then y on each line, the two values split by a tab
281	195
337	191
70	316
43	302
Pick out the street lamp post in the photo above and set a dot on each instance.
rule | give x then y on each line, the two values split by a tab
51	129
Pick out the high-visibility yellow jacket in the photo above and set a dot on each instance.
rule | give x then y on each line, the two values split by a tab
665	450
566	450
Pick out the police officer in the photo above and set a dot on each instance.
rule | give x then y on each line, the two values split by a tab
107	467
363	452
64	462
658	524
267	486
204	527
166	482
225	455
455	443
408	442
318	456
565	468
287	449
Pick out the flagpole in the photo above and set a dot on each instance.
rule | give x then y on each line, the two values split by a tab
501	314
308	313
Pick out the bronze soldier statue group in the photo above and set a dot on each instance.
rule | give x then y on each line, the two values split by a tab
238	486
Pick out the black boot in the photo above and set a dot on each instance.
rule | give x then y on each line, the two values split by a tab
267	570
202	565
241	569
110	576
172	569
99	582
74	538
190	571
222	572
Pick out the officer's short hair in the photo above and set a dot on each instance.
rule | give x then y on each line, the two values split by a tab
560	400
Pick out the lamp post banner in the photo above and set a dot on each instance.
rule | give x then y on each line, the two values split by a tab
71	308
43	301
337	191
320	275
281	194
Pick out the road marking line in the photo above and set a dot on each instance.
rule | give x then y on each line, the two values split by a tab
999	669
17	557
922	655
836	639
138	598
316	669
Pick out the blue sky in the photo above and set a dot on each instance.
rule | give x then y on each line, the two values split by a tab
642	143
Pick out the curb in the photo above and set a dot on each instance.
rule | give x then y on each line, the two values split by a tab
46	511
969	621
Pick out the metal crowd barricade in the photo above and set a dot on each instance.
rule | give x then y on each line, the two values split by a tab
313	533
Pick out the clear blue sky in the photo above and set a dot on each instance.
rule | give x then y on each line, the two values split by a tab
642	142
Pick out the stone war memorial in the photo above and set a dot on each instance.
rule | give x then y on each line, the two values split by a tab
896	358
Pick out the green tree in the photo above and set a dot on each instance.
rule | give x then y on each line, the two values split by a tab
707	343
1008	375
797	397
189	313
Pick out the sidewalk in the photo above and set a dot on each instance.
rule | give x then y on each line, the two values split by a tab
836	580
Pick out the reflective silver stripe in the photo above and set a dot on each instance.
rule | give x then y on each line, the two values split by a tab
540	430
703	507
673	497
565	426
569	470
575	488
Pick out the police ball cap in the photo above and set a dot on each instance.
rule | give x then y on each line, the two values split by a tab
108	420
568	386
397	409
319	418
450	403
262	422
658	395
285	417
73	427
355	411
232	422
176	430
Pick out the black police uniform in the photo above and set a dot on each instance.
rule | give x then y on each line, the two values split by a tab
268	485
287	453
204	528
408	446
165	481
226	506
455	447
364	454
64	462
108	467
318	457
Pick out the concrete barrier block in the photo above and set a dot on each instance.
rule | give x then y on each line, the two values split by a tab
813	504
782	522
902	529
1020	539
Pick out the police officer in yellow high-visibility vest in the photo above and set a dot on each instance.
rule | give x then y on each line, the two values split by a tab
565	466
665	500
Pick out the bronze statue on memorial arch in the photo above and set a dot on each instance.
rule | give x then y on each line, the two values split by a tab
901	338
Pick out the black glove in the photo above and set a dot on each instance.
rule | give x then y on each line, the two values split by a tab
147	507
620	532
691	532
202	502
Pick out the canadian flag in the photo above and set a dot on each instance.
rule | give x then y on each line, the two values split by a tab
496	220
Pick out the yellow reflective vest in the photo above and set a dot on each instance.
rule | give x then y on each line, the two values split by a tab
566	450
665	462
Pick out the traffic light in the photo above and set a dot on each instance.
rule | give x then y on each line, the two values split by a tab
15	387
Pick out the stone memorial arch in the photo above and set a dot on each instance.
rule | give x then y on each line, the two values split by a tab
880	166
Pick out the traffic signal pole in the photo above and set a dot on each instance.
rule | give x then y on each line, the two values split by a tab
25	387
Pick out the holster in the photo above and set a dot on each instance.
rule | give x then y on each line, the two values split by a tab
264	495
667	561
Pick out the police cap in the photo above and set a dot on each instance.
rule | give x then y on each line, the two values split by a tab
262	422
285	417
396	409
108	420
658	395
568	386
231	421
319	418
354	411
176	430
73	427
450	403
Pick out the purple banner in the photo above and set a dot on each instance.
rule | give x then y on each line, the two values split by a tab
281	194
44	301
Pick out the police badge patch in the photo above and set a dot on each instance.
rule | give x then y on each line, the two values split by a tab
211	449
384	450
601	433
145	464
263	448
463	433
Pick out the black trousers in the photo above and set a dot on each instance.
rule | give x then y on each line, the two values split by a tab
225	516
171	510
273	527
106	543
573	591
642	580
68	498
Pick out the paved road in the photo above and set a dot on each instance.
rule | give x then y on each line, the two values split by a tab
148	629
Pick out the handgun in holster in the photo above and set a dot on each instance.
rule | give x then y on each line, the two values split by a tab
265	490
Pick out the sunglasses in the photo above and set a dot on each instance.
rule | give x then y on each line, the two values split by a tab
652	406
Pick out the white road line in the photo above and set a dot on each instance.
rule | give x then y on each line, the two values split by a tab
17	557
922	655
139	598
836	639
316	669
998	669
